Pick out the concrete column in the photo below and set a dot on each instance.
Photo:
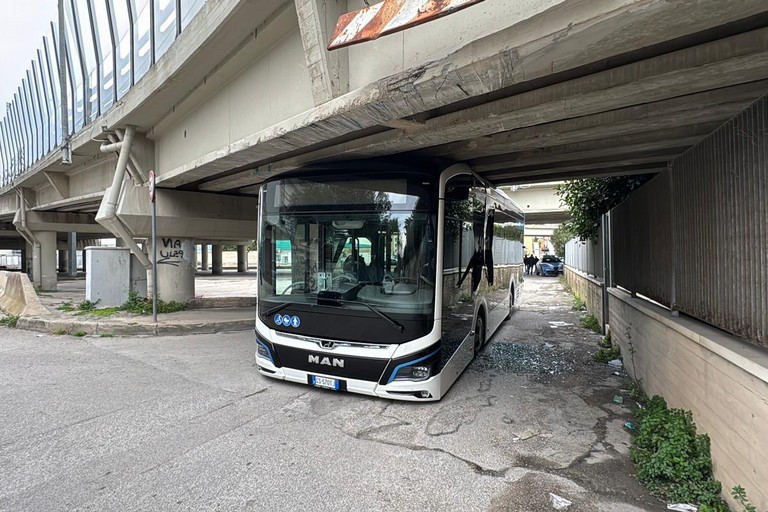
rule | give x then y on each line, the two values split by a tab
175	269
72	248
204	257
47	261
217	260
63	260
242	258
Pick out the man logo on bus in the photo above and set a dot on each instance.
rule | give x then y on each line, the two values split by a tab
326	361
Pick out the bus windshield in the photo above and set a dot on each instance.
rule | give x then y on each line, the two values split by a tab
363	244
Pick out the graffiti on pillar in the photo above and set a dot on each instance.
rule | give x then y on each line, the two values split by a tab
171	252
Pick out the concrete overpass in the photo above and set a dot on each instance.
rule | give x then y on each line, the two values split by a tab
245	90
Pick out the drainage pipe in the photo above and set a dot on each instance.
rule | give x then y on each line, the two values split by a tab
108	215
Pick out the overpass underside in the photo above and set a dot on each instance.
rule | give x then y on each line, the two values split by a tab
562	89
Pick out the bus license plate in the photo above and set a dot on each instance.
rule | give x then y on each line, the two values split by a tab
325	382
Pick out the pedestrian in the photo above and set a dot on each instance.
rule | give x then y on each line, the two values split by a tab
528	264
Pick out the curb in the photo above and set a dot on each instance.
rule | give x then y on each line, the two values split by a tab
49	325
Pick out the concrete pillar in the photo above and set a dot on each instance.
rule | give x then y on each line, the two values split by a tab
63	260
217	260
176	267
204	257
72	248
242	258
47	261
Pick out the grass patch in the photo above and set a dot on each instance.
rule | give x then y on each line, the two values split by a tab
106	336
66	307
606	341
9	321
100	312
607	354
60	332
591	322
80	334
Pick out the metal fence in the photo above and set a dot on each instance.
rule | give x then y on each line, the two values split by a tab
695	238
110	45
586	256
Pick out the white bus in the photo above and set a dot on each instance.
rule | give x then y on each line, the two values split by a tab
397	276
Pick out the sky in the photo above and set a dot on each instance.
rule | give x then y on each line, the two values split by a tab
22	27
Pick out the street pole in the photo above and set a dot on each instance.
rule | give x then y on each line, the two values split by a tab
152	199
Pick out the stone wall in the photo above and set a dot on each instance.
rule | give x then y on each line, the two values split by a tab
589	289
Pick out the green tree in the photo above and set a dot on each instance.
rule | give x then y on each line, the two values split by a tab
560	236
587	200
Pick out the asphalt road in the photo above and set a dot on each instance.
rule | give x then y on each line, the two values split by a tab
186	423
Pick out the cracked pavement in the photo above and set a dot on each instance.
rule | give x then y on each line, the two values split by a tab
186	423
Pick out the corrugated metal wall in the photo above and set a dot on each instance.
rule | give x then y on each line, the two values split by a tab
641	237
721	226
696	238
586	256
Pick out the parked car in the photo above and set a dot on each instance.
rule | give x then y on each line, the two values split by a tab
549	266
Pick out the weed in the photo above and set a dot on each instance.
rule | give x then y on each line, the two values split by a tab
672	460
606	341
740	495
578	303
67	306
80	334
88	305
106	335
465	297
143	306
591	322
9	321
60	332
607	354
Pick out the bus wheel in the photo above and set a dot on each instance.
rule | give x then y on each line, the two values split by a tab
511	303
479	333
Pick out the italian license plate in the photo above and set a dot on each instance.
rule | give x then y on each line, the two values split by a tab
325	382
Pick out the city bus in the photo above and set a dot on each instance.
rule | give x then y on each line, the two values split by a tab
383	279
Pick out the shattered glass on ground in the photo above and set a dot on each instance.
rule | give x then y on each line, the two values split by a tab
541	358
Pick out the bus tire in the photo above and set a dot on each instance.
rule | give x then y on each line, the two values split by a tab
479	332
511	302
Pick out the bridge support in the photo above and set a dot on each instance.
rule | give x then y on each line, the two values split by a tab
242	258
176	268
203	256
217	260
44	262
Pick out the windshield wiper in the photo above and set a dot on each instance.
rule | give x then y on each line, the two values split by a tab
394	323
275	309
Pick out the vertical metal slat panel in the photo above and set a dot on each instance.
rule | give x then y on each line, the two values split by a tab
722	226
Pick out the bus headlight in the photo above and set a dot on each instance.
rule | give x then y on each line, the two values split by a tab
415	372
263	351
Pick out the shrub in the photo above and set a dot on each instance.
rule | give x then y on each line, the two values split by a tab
607	354
143	306
672	460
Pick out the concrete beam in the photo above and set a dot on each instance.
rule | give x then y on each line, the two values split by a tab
544	176
722	63
60	183
706	108
539	47
62	222
190	215
326	69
